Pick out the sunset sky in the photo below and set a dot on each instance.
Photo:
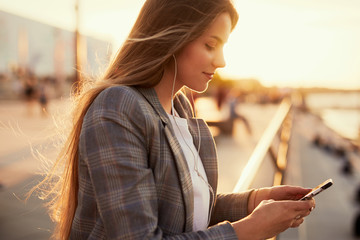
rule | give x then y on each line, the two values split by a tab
279	42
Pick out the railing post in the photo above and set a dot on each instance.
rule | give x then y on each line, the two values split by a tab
262	148
283	120
281	162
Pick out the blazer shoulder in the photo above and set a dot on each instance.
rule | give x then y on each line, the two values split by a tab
119	98
119	93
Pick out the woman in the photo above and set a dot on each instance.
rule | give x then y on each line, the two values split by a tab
138	165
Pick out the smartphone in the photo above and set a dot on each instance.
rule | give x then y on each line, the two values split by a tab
315	191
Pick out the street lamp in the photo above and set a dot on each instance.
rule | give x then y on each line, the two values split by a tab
77	47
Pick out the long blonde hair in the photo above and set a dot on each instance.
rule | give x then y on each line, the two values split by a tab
162	29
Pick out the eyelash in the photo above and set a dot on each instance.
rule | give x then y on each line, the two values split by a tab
209	47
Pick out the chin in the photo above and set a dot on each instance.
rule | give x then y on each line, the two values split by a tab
200	89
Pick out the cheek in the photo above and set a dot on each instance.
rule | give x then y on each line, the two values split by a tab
195	54
192	61
196	60
200	54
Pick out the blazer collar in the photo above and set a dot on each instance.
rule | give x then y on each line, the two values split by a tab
151	96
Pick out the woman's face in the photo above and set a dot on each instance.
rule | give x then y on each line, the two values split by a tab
199	59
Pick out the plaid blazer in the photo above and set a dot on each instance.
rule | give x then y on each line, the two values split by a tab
134	182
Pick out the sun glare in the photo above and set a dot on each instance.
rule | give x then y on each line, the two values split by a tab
295	44
283	43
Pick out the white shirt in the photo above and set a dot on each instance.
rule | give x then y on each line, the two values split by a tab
200	185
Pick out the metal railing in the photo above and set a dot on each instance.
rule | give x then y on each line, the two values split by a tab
280	125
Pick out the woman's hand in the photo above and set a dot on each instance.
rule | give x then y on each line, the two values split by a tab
271	217
283	192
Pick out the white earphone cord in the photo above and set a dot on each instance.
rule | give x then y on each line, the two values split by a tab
196	158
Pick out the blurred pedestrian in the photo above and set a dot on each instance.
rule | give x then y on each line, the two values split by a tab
44	96
138	164
30	91
221	92
232	100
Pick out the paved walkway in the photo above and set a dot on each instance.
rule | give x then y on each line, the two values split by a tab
308	166
24	134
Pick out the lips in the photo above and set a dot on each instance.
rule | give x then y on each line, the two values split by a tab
209	75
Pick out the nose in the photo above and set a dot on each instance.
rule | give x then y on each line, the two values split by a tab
219	60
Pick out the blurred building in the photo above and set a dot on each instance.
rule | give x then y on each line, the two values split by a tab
28	46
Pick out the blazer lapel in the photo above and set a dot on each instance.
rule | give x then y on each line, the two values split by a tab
207	152
184	176
180	161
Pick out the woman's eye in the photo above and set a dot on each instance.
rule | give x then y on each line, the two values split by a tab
209	47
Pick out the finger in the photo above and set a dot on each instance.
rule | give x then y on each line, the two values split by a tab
305	214
311	208
301	190
295	192
313	204
304	205
297	222
302	193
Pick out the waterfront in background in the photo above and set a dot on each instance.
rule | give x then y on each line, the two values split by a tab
339	110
